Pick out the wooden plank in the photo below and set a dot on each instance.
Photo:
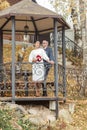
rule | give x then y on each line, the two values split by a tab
33	98
5	98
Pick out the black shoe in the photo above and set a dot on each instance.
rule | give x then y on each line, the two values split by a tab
44	94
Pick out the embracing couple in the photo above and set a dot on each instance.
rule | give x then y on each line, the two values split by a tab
42	59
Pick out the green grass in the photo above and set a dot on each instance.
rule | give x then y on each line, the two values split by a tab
5	119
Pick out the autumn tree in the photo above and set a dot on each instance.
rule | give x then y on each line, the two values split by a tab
4	4
62	7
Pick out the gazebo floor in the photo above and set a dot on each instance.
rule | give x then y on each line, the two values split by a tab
45	98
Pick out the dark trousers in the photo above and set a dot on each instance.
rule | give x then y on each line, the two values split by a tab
47	68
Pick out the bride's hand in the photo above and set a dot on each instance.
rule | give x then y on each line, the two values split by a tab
52	62
34	60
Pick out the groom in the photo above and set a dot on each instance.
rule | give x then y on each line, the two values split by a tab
47	65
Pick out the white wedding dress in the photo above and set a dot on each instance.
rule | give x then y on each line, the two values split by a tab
38	67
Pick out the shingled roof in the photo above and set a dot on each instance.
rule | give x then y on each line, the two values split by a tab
27	7
13	1
38	17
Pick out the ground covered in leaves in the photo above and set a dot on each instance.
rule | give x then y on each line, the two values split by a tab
10	120
80	115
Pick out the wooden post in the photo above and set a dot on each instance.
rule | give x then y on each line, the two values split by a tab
64	62
1	47
56	65
1	55
13	59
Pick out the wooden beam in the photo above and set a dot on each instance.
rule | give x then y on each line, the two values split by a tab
22	20
5	23
18	31
35	27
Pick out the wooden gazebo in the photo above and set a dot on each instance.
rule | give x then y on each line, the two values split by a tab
40	21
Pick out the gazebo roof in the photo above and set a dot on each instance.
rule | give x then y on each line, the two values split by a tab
38	18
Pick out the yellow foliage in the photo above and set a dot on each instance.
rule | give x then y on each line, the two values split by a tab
4	4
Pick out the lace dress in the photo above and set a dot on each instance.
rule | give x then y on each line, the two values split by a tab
38	69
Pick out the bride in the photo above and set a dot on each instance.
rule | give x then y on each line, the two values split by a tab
36	57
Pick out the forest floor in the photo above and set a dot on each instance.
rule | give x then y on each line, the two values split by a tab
80	113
